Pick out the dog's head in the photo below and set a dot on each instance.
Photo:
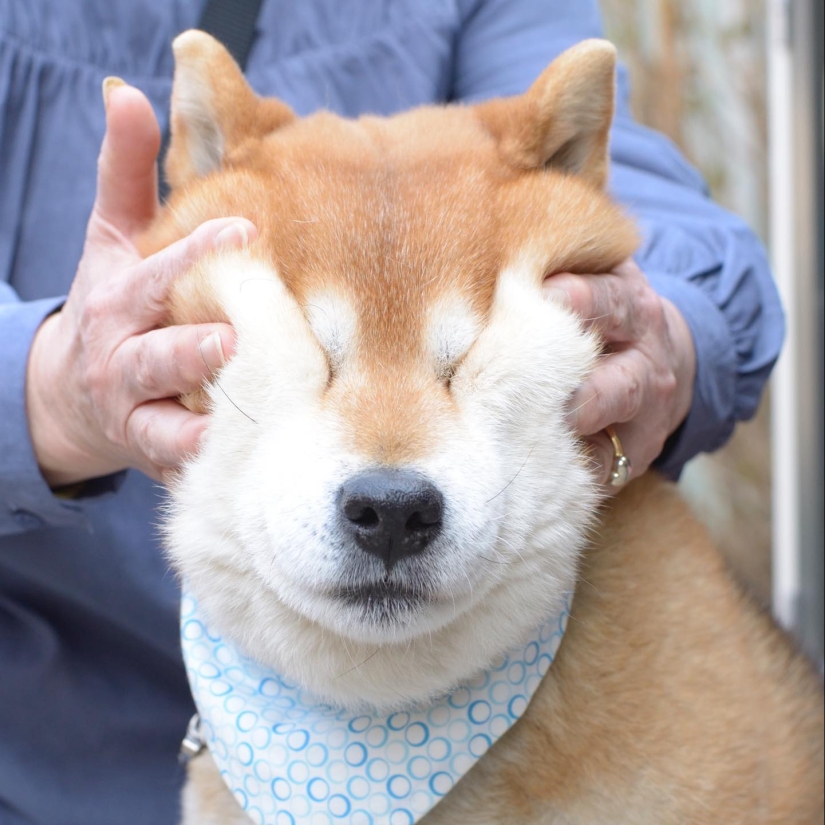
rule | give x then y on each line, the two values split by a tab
389	495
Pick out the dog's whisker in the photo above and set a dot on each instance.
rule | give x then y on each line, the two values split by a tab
512	547
360	664
585	402
514	477
595	318
250	280
346	648
494	561
407	649
219	386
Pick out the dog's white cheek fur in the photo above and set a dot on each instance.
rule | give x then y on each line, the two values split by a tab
517	380
248	521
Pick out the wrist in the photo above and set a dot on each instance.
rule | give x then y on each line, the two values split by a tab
59	453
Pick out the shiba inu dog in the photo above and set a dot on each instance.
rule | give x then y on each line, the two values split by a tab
389	499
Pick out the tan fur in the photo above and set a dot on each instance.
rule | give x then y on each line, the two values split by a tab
672	699
216	92
206	800
564	119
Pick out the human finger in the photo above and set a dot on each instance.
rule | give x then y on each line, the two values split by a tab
600	451
636	445
162	435
173	361
148	283
613	393
127	167
618	306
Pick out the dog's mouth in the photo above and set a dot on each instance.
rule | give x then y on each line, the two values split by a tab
383	601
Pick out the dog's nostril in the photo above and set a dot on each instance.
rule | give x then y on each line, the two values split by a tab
367	517
419	521
391	513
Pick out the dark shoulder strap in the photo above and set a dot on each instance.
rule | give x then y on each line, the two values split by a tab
233	23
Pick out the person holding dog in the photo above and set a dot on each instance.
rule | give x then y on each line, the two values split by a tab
93	698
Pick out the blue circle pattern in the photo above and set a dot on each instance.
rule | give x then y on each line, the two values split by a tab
288	758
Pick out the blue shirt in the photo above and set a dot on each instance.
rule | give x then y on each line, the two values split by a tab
93	698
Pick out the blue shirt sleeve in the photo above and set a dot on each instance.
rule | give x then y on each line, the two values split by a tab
26	500
699	256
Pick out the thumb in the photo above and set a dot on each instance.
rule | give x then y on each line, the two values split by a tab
127	169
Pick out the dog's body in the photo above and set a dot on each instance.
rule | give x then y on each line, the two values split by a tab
394	347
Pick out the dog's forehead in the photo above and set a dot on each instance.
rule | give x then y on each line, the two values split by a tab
392	236
382	217
403	225
418	204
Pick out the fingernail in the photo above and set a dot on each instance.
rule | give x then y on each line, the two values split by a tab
212	349
558	295
234	235
109	85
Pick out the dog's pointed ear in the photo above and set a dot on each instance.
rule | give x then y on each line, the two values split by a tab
213	109
564	119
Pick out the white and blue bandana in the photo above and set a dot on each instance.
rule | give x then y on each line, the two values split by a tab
290	760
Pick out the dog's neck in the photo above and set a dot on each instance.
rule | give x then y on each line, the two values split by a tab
254	719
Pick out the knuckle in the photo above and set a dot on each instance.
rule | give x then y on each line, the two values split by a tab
98	383
651	309
96	378
631	397
96	310
627	312
152	283
611	295
642	305
145	367
112	432
629	321
668	383
611	308
187	359
154	294
146	437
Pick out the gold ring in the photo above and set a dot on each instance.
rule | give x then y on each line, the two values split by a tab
620	471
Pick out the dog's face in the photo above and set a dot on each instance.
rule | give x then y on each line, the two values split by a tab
389	496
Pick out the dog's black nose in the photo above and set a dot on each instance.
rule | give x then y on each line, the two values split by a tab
391	513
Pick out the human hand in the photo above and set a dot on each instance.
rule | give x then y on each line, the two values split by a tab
104	372
643	385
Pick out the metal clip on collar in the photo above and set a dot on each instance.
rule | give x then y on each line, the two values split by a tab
192	743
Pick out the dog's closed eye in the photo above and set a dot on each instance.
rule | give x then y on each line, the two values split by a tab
453	328
333	323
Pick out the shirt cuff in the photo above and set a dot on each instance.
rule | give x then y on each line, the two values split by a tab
26	500
711	418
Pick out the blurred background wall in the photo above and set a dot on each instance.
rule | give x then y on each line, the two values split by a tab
698	74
